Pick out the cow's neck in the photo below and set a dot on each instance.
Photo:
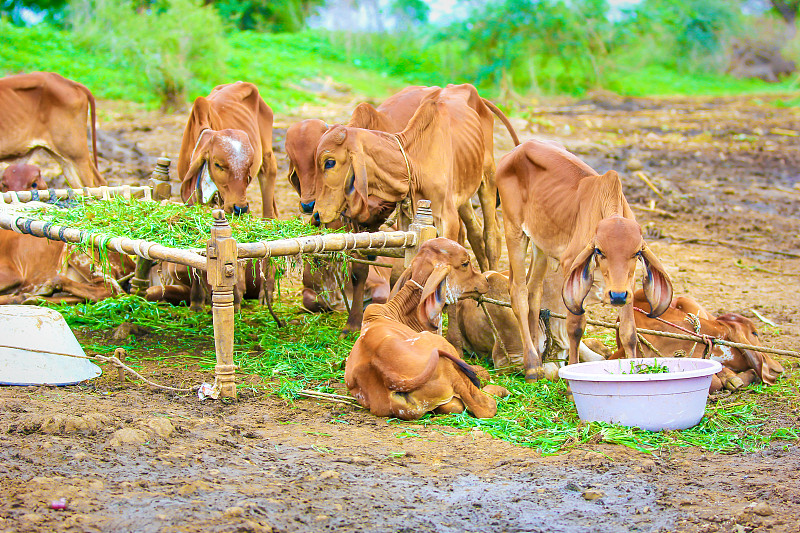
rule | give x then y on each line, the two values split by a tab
403	307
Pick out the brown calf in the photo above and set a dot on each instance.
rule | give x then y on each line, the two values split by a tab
740	367
45	110
399	366
570	213
228	141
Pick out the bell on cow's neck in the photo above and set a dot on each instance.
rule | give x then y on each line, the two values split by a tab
159	180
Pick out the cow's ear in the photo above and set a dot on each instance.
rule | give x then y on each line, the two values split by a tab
579	280
357	187
199	158
432	301
200	112
656	283
401	281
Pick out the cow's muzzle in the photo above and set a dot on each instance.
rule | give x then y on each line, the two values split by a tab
308	208
618	298
240	210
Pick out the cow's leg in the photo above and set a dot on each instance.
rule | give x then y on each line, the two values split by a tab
479	403
174	294
74	171
535	286
627	331
748	377
474	234
729	380
9	280
487	193
359	273
517	243
575	326
266	182
453	407
197	295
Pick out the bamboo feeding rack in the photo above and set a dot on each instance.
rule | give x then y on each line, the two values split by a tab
219	258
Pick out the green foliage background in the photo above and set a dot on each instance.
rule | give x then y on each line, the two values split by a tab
166	52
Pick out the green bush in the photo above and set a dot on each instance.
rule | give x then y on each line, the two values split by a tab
176	48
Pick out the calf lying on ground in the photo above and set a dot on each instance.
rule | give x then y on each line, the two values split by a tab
473	331
740	367
570	213
35	268
399	366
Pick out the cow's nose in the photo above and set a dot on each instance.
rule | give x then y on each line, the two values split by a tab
618	298
240	210
316	221
307	208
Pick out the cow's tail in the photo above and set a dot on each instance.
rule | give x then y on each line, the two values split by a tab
463	367
504	119
93	115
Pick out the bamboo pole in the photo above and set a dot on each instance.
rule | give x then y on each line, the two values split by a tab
334	242
65	194
222	273
123	245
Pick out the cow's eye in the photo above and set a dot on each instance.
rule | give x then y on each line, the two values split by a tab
465	264
755	334
218	166
599	252
329	163
33	185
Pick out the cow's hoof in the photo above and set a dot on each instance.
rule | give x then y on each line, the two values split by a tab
569	393
196	308
534	374
551	371
347	330
496	390
734	384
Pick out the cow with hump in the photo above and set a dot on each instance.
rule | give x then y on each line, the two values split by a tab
572	214
226	143
42	110
400	366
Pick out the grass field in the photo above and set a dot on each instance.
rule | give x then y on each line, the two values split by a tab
290	68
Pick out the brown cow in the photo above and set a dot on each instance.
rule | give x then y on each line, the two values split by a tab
582	219
301	144
22	177
741	367
399	366
472	330
303	137
444	154
45	110
228	141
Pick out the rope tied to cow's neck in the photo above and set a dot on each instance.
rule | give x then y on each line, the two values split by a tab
414	282
694	320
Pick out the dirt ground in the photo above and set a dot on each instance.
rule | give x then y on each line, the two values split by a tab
722	213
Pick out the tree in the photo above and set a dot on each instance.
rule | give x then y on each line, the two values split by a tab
267	15
788	9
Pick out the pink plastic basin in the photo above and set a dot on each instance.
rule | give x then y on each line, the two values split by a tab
674	400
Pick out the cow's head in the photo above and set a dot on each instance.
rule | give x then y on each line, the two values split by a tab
349	159
742	330
21	177
219	171
443	269
614	250
302	139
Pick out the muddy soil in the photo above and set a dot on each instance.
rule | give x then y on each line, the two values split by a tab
721	211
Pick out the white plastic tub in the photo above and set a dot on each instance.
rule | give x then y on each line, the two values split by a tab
604	392
35	348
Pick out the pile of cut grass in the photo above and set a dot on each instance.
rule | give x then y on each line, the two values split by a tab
308	354
173	225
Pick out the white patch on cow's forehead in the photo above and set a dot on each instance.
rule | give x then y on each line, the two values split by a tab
235	152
